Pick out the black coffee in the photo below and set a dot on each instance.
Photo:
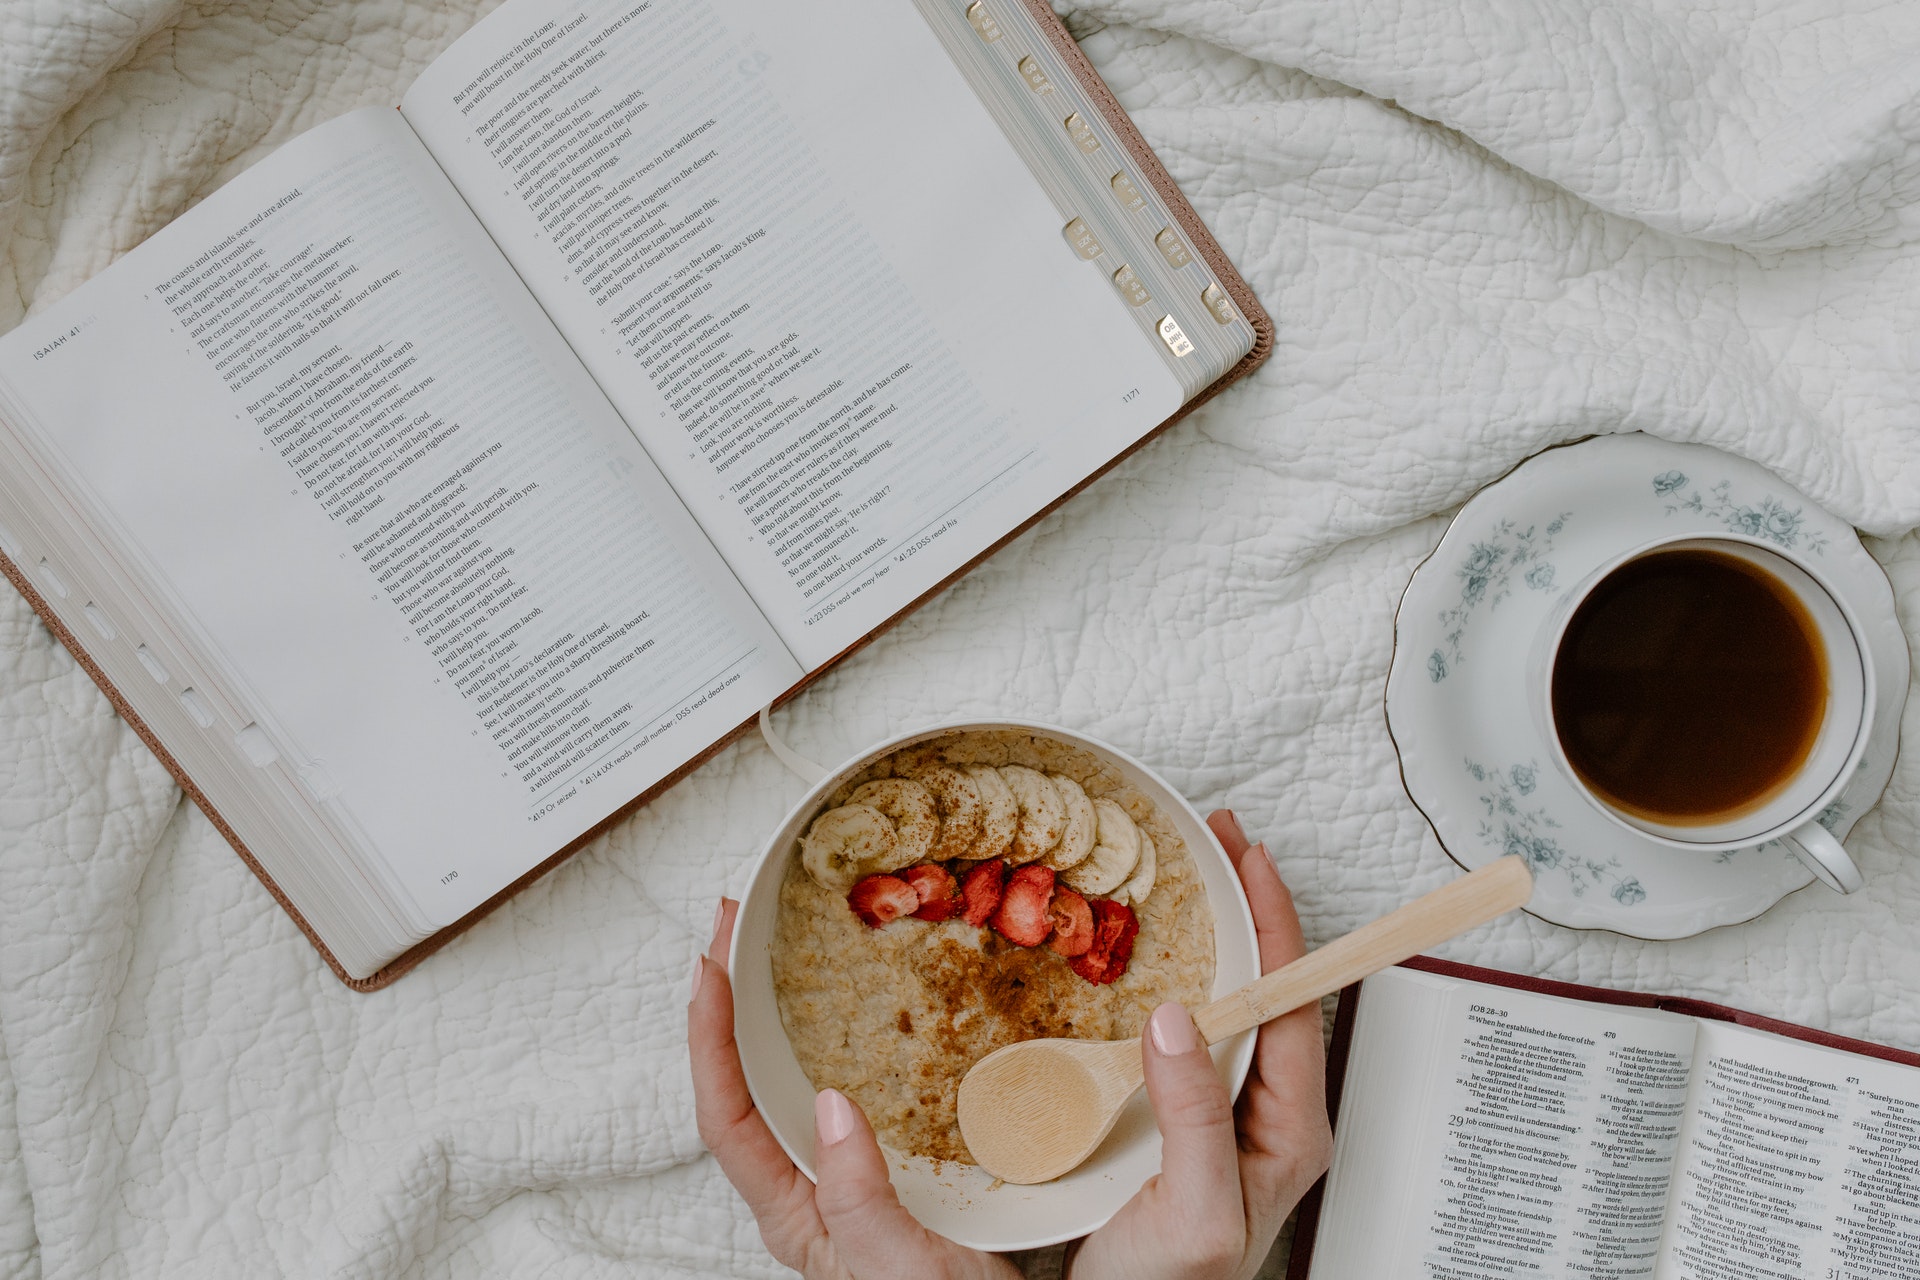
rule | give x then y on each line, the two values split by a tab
1689	687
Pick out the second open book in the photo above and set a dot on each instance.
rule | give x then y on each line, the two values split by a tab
459	474
1492	1127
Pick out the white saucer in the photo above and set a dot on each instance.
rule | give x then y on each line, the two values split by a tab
1471	756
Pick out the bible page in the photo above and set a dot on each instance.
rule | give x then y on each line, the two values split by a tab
1798	1161
1487	1133
423	559
811	272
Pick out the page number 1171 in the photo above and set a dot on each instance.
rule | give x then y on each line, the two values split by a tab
1131	396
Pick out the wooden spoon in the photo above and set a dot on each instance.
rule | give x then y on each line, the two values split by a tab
1035	1110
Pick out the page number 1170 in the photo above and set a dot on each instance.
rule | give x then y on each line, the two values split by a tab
450	877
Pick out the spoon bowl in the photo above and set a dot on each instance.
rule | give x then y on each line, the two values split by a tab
1073	1090
1032	1111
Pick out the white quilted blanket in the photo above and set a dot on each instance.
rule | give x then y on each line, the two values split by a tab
1483	226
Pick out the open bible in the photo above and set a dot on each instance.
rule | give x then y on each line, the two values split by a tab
1496	1126
459	476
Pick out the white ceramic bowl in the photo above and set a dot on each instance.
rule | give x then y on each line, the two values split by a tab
961	1201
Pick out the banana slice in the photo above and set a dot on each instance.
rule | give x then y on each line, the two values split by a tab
961	810
909	806
1043	814
1002	814
1140	883
1081	832
845	844
1114	858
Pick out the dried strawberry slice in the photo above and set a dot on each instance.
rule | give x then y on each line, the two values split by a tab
939	891
879	900
1114	929
981	891
1023	918
1072	923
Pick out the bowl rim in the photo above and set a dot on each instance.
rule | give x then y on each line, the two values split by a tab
1235	1053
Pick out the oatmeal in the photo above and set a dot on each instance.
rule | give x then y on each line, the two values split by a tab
1053	857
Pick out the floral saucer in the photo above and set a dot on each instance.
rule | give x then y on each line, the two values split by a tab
1473	758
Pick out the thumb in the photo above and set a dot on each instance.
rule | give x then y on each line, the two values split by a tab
1199	1160
871	1232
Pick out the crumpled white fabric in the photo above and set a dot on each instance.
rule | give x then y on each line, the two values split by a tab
1483	226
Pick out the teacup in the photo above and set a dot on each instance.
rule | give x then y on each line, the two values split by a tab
1787	807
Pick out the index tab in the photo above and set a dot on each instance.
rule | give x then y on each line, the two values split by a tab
1082	133
1172	248
321	783
1126	193
1132	288
1034	75
152	664
1218	304
1174	336
198	707
51	576
1081	237
982	19
101	623
256	746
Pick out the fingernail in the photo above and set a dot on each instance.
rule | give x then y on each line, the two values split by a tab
699	976
832	1116
1238	830
719	914
1172	1030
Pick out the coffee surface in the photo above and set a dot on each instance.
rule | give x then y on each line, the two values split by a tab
1689	687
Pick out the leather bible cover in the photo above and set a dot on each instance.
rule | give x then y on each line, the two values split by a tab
1308	1222
1198	236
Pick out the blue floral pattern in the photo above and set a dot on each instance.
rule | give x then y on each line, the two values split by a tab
1770	520
1513	826
1486	578
1830	817
1473	757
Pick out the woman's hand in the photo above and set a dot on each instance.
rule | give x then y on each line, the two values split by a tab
850	1226
1229	1175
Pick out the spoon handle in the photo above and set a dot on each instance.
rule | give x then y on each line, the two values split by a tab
1447	912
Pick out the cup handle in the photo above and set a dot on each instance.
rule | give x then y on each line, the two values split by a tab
1823	855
